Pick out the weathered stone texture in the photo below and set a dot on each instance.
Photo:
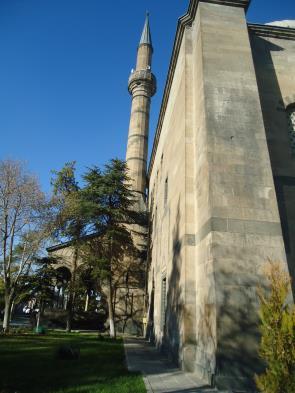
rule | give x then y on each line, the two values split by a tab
274	61
220	223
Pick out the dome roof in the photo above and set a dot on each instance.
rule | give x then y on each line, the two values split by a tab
283	23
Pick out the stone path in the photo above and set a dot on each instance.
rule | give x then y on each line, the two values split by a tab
159	375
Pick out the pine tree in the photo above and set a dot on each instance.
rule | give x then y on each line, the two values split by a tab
69	223
277	346
109	206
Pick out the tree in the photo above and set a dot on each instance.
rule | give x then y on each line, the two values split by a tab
277	346
39	284
23	211
69	222
108	204
2	304
87	286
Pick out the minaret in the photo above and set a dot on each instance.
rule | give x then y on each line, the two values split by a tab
142	86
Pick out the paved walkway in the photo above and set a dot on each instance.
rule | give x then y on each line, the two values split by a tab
160	376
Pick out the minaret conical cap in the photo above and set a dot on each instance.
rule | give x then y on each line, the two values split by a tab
146	33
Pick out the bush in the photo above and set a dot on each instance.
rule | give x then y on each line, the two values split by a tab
55	318
89	320
277	346
68	352
81	320
40	330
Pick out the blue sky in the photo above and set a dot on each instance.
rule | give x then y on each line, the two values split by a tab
64	69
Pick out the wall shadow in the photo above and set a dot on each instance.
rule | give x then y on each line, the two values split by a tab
274	111
238	334
174	309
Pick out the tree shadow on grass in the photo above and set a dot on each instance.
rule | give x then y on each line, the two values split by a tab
29	365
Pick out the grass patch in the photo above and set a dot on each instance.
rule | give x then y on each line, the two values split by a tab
28	364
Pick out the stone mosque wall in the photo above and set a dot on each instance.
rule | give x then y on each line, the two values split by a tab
212	199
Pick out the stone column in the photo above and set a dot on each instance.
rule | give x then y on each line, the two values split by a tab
142	85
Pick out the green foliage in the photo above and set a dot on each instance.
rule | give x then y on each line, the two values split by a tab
68	223
40	283
64	181
277	347
109	210
109	207
96	219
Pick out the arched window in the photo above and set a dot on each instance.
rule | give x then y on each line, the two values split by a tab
163	302
291	125
166	192
155	219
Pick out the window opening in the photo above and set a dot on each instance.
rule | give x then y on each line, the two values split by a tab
163	302
166	192
291	126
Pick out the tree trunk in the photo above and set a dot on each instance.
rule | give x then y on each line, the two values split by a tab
110	308
7	310
60	298
42	308
86	302
11	310
70	311
38	320
70	304
40	314
65	300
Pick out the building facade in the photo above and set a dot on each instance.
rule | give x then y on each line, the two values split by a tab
220	184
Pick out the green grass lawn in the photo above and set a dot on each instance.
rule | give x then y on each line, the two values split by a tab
28	364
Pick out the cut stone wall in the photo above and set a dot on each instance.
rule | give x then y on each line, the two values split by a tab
221	224
274	61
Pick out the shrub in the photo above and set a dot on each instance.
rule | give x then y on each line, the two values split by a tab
68	352
277	347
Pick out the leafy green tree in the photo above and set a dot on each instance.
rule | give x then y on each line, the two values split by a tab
108	204
277	347
40	283
69	225
87	286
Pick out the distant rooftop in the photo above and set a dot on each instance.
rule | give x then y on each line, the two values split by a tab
283	23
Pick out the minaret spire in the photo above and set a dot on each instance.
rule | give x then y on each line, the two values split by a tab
146	33
141	86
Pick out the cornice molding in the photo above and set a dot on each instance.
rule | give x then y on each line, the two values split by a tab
285	33
232	3
185	20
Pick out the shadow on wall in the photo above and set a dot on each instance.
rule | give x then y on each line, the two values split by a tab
238	335
174	309
274	112
129	300
206	330
150	333
129	311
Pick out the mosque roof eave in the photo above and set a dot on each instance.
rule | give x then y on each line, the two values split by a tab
272	30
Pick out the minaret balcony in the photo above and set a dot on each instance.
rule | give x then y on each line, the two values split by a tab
145	77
